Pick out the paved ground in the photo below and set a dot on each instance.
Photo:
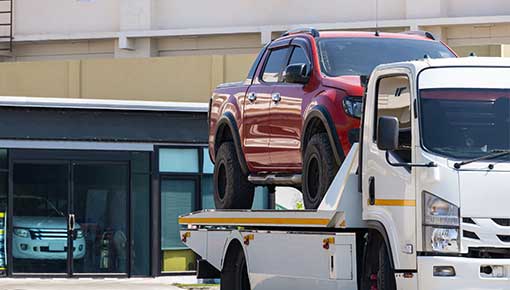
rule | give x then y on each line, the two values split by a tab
162	283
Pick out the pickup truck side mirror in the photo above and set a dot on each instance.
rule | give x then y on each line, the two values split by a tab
296	74
387	133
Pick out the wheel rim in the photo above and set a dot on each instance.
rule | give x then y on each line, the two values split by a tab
312	178
222	180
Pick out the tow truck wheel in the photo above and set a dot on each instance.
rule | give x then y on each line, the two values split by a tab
377	272
232	190
319	169
234	275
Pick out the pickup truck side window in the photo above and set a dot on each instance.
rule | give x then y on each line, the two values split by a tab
394	100
298	56
274	65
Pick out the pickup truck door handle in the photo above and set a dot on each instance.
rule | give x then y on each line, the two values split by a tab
252	97
276	98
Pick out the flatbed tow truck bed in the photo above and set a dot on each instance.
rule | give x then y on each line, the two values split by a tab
311	249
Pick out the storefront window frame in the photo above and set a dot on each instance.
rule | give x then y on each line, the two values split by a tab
161	176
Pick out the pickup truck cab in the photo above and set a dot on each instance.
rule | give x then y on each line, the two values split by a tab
294	118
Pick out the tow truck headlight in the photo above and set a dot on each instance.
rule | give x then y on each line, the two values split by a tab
353	106
441	224
23	233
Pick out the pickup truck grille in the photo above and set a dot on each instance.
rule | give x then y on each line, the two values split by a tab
41	234
485	233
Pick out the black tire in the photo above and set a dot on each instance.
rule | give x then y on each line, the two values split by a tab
232	190
234	275
319	170
377	272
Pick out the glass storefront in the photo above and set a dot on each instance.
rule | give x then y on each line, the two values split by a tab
78	213
3	210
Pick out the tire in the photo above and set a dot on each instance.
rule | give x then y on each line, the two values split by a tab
234	275
319	170
377	272
232	190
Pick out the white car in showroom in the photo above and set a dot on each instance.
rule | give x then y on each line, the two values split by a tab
40	231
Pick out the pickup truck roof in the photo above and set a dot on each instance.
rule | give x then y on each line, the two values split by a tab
420	35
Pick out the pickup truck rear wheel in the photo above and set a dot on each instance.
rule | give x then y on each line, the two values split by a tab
319	169
232	190
234	275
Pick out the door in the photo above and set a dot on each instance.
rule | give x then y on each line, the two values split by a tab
178	197
100	211
40	203
256	120
70	218
286	118
388	191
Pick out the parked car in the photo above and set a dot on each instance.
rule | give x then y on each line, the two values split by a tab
294	117
40	231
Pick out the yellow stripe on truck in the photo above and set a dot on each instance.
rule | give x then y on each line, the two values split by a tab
251	221
395	202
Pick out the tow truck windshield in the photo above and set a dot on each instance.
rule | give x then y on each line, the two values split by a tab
466	123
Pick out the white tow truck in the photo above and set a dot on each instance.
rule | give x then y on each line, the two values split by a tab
422	203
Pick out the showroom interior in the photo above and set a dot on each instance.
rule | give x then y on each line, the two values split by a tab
91	190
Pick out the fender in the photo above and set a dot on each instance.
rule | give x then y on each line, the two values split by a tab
229	121
322	113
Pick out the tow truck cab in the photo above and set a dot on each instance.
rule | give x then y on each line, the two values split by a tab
434	167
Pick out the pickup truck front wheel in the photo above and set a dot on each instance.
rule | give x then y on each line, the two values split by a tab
232	190
319	169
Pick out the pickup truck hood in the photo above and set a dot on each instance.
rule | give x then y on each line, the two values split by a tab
350	84
35	222
484	194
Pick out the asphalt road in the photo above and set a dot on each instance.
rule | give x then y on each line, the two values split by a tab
162	283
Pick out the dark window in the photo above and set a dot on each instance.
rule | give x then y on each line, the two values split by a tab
274	65
298	56
359	56
465	122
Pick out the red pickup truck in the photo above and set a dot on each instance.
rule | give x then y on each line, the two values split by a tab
293	119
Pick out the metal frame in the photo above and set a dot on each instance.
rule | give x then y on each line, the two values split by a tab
161	176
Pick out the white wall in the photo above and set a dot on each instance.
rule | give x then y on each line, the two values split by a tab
65	16
222	13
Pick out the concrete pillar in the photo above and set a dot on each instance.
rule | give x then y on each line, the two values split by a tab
136	15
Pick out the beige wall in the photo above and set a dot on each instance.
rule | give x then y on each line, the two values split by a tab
183	78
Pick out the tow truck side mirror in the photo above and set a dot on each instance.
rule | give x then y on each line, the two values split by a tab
296	74
387	133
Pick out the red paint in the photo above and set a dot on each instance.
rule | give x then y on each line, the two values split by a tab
271	133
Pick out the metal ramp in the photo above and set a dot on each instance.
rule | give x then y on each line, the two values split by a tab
6	37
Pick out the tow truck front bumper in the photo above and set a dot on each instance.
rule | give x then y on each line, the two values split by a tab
468	274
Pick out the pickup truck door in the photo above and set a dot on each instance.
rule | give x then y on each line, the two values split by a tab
256	120
286	118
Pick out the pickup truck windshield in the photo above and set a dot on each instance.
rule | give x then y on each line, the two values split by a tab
359	56
465	122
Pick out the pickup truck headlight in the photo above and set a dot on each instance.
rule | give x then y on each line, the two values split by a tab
23	233
353	106
441	224
79	234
